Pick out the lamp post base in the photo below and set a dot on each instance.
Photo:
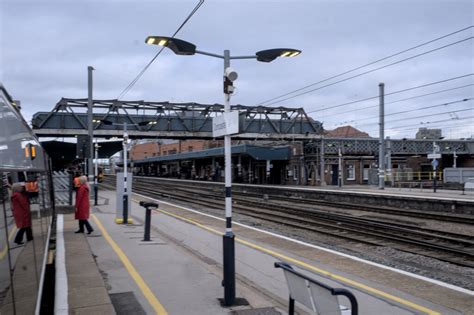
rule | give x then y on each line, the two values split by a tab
229	269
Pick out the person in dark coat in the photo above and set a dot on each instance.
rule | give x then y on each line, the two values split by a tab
82	206
21	213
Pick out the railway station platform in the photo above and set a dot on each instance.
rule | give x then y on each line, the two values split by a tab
180	270
467	195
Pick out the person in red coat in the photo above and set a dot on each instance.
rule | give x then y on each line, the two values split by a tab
21	213
82	206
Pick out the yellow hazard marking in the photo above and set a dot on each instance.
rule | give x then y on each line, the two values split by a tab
5	248
155	304
312	268
120	221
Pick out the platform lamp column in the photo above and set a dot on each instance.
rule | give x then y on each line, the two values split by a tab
90	154
381	138
322	166
339	170
228	237
96	174
125	172
181	47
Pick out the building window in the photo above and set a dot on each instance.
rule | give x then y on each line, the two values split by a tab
295	172
350	172
365	173
190	149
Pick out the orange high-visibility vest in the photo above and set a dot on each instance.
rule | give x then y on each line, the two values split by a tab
32	186
77	182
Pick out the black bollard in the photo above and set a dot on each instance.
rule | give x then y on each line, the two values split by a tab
146	236
148	207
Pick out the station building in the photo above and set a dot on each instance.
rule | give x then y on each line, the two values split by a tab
344	154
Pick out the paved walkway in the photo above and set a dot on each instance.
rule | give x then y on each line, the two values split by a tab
87	293
180	271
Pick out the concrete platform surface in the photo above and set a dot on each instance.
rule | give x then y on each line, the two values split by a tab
87	293
180	270
467	195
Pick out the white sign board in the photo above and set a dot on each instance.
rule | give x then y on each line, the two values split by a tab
434	156
225	124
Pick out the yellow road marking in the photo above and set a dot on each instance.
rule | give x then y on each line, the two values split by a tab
315	269
155	304
5	249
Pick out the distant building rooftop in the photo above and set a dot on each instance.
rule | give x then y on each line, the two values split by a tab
346	132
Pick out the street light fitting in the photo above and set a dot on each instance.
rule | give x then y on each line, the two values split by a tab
178	46
269	55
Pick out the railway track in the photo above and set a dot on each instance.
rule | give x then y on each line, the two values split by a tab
449	247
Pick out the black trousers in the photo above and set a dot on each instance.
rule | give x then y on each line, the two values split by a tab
21	232
86	223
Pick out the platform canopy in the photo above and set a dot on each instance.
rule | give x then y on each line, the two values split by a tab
256	152
171	120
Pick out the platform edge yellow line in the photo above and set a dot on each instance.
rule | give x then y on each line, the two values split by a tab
151	298
315	269
5	249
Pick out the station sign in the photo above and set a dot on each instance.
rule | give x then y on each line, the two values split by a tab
226	124
433	156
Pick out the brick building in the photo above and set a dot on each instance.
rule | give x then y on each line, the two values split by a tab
142	151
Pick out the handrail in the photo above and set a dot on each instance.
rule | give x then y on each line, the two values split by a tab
334	291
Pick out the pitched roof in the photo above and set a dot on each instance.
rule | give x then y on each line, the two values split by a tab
346	132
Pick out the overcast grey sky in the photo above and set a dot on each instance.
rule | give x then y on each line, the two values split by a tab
46	47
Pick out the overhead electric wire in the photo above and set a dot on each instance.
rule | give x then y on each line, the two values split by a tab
431	123
368	64
397	101
418	109
432	126
373	70
417	117
391	93
140	74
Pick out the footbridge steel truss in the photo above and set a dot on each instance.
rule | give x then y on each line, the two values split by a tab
171	120
370	146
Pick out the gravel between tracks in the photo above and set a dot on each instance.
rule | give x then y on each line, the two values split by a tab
417	264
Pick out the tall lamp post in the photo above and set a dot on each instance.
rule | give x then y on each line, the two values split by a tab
181	47
96	173
125	161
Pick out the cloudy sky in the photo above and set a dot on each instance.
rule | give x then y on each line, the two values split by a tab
46	47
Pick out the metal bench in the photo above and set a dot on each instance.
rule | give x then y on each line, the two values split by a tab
315	295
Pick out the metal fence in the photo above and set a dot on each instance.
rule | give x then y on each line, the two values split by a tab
62	188
458	174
